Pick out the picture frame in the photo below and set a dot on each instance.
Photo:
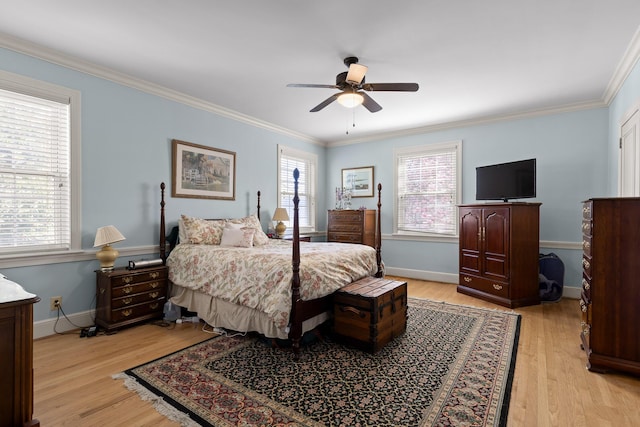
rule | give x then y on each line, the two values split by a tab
202	172
359	181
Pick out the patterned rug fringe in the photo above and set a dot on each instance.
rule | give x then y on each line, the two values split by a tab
158	402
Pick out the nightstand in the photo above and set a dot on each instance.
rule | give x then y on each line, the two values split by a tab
126	297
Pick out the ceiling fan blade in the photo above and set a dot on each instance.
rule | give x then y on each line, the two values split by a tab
391	87
369	103
356	73
312	85
324	103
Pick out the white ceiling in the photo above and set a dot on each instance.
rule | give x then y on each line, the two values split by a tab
472	59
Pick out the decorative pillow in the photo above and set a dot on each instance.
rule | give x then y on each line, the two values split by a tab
238	237
251	221
201	231
182	232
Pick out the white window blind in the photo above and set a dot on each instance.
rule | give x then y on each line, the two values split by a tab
427	191
34	173
306	163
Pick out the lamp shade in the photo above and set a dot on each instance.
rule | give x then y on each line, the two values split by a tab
107	255
280	215
107	235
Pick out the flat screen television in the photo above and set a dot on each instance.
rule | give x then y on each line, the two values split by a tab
505	181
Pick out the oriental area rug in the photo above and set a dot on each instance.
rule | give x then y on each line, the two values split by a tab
452	367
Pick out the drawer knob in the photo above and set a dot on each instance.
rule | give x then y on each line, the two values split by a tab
154	274
154	284
127	279
127	300
154	295
583	306
497	287
585	244
585	284
127	289
467	279
154	305
586	264
127	313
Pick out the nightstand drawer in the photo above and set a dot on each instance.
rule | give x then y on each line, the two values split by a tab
143	276
137	288
135	311
137	299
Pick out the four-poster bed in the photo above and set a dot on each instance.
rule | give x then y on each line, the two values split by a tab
255	288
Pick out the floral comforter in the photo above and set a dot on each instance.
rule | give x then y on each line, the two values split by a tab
260	277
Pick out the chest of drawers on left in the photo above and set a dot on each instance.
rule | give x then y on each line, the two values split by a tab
126	297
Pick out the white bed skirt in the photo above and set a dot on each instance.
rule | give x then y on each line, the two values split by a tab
223	314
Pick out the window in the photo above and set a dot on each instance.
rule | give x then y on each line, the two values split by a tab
307	164
428	181
38	204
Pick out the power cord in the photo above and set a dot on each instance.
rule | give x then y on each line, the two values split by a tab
60	310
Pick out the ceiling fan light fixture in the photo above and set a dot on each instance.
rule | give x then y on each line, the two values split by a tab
350	100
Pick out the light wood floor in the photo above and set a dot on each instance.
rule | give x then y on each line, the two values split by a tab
73	384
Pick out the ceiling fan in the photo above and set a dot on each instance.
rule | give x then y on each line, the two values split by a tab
352	85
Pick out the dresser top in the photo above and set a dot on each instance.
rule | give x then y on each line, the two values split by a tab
11	291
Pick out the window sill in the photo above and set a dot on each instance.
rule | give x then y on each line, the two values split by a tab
421	238
44	258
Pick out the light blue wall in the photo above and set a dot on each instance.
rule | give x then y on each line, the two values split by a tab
126	137
571	152
126	153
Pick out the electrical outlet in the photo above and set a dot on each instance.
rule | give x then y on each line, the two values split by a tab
55	303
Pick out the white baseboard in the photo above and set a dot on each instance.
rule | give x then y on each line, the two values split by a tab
422	275
44	328
571	292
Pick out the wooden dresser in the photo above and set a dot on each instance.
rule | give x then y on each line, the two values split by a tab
499	250
610	284
126	297
352	226
16	357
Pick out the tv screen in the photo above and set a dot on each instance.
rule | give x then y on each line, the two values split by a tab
504	181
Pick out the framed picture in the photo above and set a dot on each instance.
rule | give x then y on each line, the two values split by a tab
359	181
202	172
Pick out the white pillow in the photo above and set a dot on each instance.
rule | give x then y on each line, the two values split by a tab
237	237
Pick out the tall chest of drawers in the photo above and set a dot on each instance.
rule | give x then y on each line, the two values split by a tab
610	286
126	297
352	226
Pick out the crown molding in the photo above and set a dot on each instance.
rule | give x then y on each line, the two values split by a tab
588	105
624	68
68	61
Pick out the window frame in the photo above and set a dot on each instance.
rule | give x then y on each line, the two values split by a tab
37	88
312	160
428	149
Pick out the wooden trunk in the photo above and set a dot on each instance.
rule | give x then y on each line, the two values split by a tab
370	312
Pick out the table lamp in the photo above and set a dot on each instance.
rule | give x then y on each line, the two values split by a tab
280	215
107	255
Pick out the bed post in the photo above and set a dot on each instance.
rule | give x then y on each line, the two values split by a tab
258	213
296	325
380	272
163	239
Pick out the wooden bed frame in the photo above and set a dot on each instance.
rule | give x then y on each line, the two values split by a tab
300	310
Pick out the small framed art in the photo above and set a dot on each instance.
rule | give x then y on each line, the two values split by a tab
359	181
